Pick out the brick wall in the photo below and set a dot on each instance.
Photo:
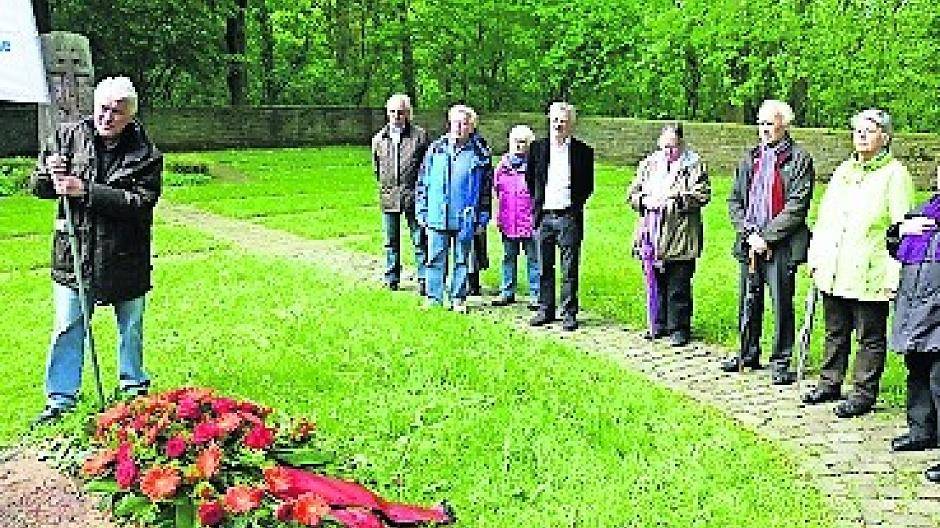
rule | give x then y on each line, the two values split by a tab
618	140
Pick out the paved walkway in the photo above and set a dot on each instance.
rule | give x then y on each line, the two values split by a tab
847	459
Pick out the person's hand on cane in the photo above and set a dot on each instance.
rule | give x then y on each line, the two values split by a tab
65	184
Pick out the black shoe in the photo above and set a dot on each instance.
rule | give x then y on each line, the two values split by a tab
679	339
50	414
822	395
393	286
541	319
649	336
503	301
733	364
570	324
533	306
933	474
783	377
852	408
906	443
422	288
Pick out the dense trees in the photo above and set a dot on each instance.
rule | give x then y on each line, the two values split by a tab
695	59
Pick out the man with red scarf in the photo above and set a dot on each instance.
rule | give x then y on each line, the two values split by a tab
768	204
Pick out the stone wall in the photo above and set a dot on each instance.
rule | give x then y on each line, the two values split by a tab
617	140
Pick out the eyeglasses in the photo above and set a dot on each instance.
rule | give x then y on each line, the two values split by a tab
765	123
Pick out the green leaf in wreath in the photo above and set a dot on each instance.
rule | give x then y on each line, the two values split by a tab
302	457
185	513
102	486
132	506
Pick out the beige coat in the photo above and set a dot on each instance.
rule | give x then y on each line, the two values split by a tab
847	254
396	167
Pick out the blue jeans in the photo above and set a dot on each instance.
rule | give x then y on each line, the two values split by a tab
511	248
439	244
391	223
64	367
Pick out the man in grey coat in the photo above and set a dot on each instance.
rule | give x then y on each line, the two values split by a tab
397	152
768	204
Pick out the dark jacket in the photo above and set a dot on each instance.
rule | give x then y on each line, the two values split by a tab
581	158
113	220
916	324
788	230
396	169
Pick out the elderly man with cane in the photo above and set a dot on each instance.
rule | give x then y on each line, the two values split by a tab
107	175
768	204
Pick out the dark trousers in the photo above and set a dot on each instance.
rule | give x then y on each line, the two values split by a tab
779	275
869	320
675	296
923	394
562	230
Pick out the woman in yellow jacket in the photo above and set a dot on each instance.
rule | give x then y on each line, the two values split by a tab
851	266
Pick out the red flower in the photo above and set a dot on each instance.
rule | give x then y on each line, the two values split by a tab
260	437
278	480
205	432
242	499
210	513
126	473
209	460
124	451
160	482
309	509
96	464
188	409
284	511
224	405
175	447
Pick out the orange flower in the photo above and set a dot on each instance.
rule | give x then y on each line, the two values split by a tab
277	479
242	499
112	416
209	460
228	422
309	509
96	464
160	482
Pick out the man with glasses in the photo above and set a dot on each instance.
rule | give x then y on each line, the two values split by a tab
768	204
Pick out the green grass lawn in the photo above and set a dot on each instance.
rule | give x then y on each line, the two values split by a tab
512	429
330	192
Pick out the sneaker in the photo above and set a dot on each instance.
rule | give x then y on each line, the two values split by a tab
50	414
459	306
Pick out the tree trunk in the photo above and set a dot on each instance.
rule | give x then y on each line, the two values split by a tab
266	34
407	55
235	44
43	16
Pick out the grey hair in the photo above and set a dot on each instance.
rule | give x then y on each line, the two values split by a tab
521	132
561	106
778	108
117	89
397	99
877	116
463	109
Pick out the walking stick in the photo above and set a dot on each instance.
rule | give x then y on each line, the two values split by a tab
806	334
745	324
77	259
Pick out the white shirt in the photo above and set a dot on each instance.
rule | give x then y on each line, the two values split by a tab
558	184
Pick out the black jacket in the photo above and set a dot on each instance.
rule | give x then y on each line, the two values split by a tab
788	230
114	219
581	158
916	323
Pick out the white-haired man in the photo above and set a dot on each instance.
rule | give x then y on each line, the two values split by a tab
453	203
768	204
397	152
110	172
560	179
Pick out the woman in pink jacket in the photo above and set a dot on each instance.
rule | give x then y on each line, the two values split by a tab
515	220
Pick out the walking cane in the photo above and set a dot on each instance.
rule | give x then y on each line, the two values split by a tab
805	334
77	259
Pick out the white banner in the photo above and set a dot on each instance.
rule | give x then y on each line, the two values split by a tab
22	74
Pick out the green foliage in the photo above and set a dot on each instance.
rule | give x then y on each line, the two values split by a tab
14	175
692	59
